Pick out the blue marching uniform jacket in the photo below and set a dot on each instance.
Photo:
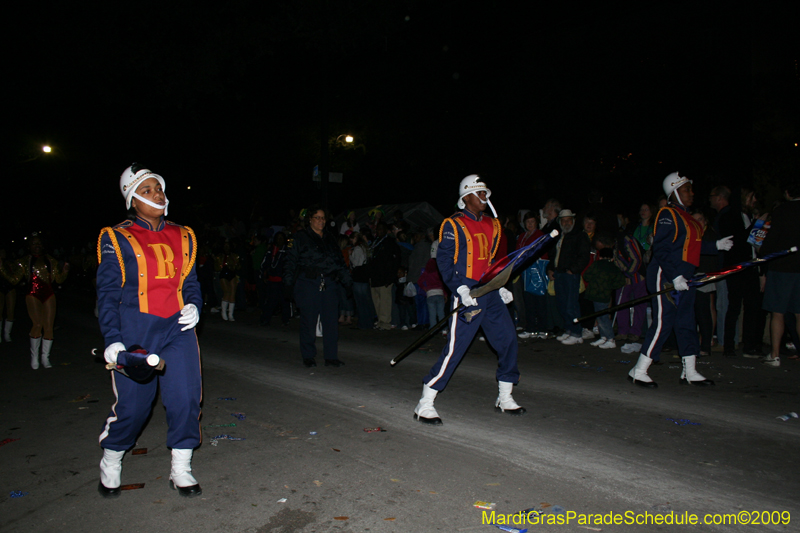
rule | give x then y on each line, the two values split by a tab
144	278
467	248
677	245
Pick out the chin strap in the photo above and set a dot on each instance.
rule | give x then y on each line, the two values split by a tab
153	204
494	213
461	203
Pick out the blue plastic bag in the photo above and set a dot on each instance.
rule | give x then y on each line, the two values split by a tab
536	278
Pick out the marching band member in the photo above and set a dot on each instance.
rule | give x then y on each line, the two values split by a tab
39	271
468	242
677	246
148	295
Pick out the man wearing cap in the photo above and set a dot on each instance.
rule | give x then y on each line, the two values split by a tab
677	245
468	242
148	295
571	257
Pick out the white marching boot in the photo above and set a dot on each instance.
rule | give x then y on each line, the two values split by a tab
46	345
110	474
638	374
425	412
35	345
231	305
181	477
7	330
690	376
505	402
224	310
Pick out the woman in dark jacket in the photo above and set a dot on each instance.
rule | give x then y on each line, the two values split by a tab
314	271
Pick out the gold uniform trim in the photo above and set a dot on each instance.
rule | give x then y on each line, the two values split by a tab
117	250
142	264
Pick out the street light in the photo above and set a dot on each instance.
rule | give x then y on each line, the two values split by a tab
46	149
347	138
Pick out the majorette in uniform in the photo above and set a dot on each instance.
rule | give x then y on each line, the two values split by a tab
40	271
468	242
677	245
149	295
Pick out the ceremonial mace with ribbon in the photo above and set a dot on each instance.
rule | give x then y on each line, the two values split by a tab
495	277
696	281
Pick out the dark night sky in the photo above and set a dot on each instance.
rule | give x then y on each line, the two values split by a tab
232	99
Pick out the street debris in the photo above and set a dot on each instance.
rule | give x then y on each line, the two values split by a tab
139	451
132	486
312	432
6	441
683	422
17	494
484	505
787	416
231	425
586	366
341	517
374	430
215	440
282	500
744	367
227	399
81	398
240	416
510	529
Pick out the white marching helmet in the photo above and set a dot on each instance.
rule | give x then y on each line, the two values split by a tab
131	178
672	183
470	185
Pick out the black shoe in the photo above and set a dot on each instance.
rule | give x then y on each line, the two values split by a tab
644	384
186	492
704	383
336	363
309	362
432	421
105	492
513	412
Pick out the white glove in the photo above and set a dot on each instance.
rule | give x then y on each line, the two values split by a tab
466	299
725	244
189	316
506	295
112	350
680	284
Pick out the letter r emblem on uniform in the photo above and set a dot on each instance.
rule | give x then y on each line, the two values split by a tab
483	246
164	257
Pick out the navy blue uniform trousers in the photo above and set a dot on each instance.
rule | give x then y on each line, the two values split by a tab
669	317
498	329
180	384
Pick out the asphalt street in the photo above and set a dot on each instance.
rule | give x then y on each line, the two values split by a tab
591	443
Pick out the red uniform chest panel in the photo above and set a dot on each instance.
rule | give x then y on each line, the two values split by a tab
480	237
161	256
694	239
